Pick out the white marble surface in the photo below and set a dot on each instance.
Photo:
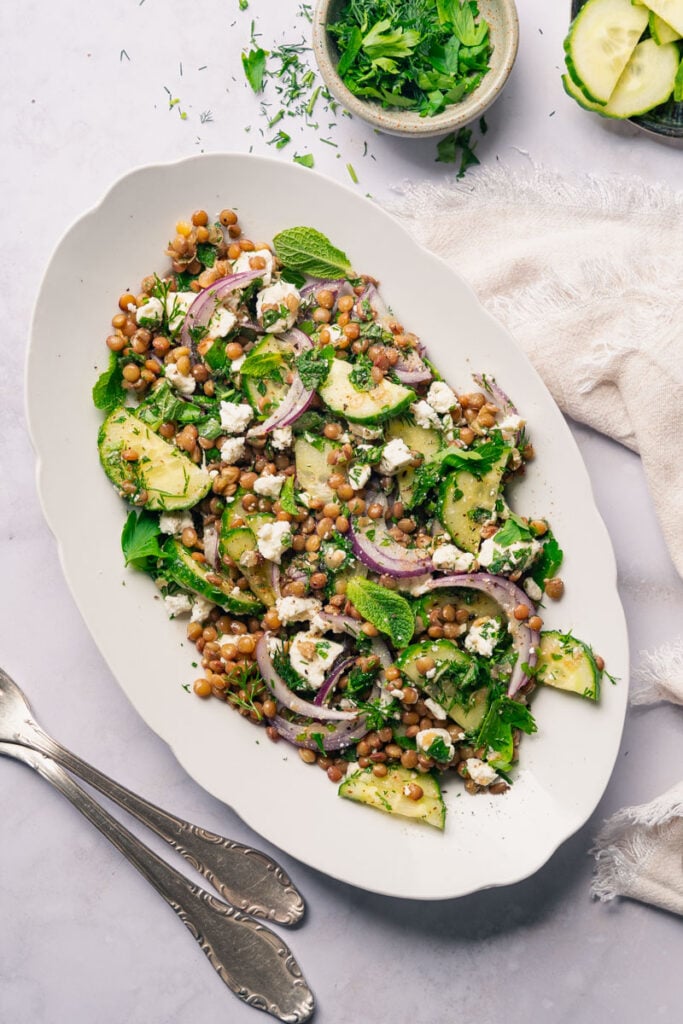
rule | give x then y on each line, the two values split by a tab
82	937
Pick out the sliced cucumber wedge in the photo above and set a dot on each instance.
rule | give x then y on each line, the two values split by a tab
465	501
313	469
647	81
572	89
266	393
442	653
661	32
374	406
427	441
388	794
467	712
600	44
670	11
238	542
182	568
169	478
566	663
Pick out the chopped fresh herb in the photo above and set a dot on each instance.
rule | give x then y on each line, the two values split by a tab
254	64
288	502
438	750
243	4
280	140
352	173
305	159
359	681
377	713
549	561
206	253
205	117
108	391
313	366
361	374
318	739
496	732
454	144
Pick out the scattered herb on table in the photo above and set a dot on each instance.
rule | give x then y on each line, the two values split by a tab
458	144
421	55
305	159
254	64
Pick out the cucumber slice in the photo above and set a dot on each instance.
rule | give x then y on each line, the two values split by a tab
312	467
374	406
191	575
600	43
427	441
233	543
443	652
566	663
662	32
171	480
235	515
265	394
647	81
475	602
445	690
465	501
670	11
386	794
572	89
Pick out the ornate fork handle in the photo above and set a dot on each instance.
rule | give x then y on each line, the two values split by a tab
246	877
251	959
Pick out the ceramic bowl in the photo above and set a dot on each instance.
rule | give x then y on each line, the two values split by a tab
504	27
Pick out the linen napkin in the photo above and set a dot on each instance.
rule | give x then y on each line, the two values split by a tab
586	274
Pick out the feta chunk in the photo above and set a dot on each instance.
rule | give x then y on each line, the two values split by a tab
235	418
236	364
275	297
249	559
201	609
510	426
177	305
450	557
273	539
483	636
480	772
177	604
395	456
359	476
435	709
441	398
297	609
150	314
532	589
242	265
426	738
366	433
312	656
505	559
221	323
233	450
269	486
174	523
281	438
425	416
184	384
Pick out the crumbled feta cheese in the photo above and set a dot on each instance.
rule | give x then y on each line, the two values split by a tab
415	585
510	426
150	314
249	558
242	266
269	486
177	305
532	589
441	398
201	609
235	418
312	656
395	456
233	450
448	556
281	438
183	383
177	604
221	323
174	523
483	636
275	296
500	559
335	333
425	416
297	609
480	772
436	710
236	364
366	433
273	539
359	476
427	737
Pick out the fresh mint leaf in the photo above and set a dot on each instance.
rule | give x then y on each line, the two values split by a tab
293	277
310	252
261	364
254	64
108	391
313	366
388	611
139	540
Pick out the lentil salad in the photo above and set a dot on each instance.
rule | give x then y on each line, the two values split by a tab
331	515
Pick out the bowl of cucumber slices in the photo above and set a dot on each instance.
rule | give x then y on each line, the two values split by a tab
625	61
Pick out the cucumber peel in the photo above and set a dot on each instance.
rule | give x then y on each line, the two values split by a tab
387	793
600	43
566	663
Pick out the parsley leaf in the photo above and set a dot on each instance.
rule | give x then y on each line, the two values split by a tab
496	730
388	611
305	159
139	540
108	391
254	64
549	561
447	150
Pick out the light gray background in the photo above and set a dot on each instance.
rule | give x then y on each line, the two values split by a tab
82	937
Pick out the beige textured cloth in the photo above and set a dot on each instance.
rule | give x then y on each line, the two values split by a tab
587	276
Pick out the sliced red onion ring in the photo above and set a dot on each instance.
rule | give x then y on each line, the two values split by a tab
297	399
342	735
284	695
204	306
525	641
299	339
504	403
329	684
385	555
318	284
345	624
410	369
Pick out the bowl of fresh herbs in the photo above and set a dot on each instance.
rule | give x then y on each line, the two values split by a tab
416	67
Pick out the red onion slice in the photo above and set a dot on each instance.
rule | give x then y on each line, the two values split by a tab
294	404
342	735
290	700
204	306
384	555
504	403
329	684
525	641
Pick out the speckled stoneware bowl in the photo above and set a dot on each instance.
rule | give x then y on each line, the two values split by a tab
504	26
